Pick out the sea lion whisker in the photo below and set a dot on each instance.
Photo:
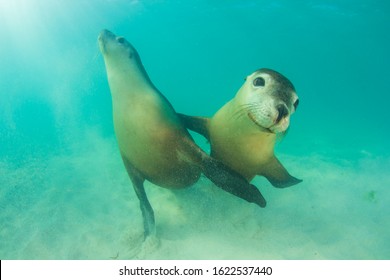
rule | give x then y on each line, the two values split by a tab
244	109
96	56
242	112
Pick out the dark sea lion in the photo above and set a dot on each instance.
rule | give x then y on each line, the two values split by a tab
244	131
153	142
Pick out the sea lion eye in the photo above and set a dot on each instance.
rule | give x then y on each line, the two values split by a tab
259	82
120	40
296	103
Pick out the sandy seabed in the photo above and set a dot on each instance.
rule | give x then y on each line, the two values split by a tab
82	206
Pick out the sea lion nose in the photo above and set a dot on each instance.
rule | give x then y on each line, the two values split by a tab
106	34
282	112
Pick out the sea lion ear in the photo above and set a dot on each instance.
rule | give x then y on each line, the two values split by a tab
278	176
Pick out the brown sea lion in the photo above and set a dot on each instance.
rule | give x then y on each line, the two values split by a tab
153	142
244	131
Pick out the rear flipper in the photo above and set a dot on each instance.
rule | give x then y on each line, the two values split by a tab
147	212
230	181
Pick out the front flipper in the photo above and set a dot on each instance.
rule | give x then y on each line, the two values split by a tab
221	175
147	212
196	124
231	181
277	175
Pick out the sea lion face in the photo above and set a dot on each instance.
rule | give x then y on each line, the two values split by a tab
117	51
269	100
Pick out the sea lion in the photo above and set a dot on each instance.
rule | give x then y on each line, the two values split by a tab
244	131
153	143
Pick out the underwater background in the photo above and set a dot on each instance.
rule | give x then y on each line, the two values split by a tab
64	192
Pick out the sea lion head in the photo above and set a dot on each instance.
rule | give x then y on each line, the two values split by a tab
118	52
269	99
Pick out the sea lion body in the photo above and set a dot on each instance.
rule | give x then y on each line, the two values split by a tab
243	147
153	142
244	131
149	133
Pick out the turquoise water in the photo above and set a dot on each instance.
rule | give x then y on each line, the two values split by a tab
64	193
